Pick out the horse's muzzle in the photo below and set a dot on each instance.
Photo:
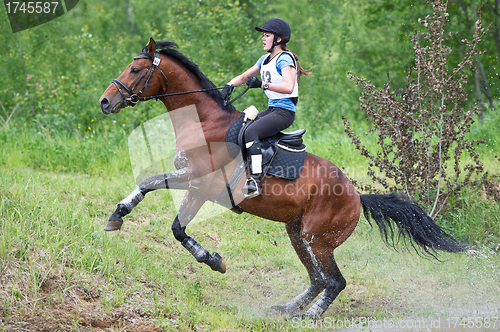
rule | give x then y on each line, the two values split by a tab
105	106
111	106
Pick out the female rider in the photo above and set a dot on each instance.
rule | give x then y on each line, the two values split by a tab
280	72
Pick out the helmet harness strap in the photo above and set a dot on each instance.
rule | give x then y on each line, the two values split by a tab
275	42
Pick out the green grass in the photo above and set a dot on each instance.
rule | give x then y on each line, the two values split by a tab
96	152
474	218
55	256
52	239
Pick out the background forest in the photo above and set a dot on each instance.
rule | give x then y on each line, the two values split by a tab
54	74
64	165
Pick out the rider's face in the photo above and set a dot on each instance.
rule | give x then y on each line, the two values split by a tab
267	40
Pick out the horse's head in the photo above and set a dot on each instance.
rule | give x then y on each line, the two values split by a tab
141	79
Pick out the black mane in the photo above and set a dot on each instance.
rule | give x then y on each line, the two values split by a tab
168	48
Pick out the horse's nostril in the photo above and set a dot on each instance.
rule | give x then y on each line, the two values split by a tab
104	102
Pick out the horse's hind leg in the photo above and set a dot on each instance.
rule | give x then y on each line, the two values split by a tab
334	281
318	282
174	180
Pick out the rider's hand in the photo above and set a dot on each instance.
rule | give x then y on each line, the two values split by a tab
254	82
226	91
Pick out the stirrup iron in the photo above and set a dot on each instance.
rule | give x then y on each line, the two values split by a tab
255	192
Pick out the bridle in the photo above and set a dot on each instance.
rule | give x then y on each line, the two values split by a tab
134	98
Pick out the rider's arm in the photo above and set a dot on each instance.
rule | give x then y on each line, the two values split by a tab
288	83
242	79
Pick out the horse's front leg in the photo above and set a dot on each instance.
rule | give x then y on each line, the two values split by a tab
190	206
174	180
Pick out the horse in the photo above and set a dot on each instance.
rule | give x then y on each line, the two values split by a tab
320	209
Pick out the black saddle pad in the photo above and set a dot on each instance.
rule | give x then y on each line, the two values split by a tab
280	160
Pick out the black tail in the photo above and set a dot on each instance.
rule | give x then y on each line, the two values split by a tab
411	221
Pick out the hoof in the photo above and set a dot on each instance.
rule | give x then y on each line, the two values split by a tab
222	266
114	225
115	222
216	263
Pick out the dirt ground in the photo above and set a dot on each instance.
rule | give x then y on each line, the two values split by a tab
72	310
86	316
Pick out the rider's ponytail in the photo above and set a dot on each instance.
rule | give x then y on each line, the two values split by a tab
300	71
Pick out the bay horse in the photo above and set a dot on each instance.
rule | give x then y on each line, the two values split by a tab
320	208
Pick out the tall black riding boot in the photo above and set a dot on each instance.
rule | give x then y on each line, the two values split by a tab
252	187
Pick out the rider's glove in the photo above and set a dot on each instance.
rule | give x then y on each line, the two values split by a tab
226	91
254	82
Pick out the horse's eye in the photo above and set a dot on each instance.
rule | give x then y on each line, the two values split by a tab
135	70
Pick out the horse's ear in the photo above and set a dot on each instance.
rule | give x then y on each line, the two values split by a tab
152	47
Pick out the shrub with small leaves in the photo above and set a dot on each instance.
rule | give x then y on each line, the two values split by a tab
422	129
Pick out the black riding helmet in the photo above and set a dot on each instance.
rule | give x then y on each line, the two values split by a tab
279	28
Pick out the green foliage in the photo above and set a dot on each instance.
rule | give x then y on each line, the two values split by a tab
474	218
56	72
422	129
96	150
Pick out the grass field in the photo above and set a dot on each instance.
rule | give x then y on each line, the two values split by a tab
59	271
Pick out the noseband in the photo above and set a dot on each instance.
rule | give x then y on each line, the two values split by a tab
134	97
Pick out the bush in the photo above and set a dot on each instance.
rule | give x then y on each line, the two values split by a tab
423	129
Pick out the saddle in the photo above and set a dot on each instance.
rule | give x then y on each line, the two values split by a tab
283	155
